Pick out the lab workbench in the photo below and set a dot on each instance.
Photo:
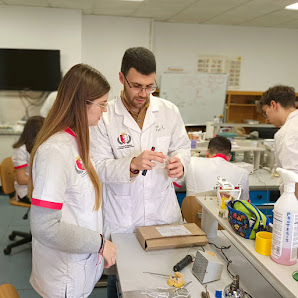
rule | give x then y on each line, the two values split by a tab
277	275
133	261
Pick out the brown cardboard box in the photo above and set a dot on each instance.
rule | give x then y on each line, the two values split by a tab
151	239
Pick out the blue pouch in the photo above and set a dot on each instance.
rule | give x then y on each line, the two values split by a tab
246	219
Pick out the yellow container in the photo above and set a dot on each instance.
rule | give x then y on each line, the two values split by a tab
263	243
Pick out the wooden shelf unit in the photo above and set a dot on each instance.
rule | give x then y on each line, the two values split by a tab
243	105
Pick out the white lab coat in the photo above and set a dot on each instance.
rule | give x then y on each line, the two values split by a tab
44	110
21	159
203	172
145	200
286	145
61	183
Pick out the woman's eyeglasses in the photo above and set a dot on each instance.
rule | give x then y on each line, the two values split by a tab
103	106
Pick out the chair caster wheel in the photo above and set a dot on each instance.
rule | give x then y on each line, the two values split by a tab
7	251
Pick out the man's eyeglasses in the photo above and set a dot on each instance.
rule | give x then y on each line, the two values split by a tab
264	114
103	106
139	89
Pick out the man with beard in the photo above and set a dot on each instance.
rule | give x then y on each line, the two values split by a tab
140	148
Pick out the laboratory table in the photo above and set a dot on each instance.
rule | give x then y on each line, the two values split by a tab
132	261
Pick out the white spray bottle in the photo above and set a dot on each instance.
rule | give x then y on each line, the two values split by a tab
285	223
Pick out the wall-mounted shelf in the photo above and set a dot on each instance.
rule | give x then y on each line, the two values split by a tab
243	105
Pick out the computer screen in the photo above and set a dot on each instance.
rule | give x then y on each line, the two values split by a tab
29	69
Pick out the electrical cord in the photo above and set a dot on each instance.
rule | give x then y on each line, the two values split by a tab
227	259
229	262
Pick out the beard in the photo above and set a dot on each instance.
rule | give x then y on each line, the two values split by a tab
133	100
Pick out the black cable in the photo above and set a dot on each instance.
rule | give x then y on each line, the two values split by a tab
228	261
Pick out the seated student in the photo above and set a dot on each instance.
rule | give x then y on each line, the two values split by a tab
21	156
203	172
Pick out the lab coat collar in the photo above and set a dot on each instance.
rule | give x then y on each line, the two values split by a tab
128	120
221	156
292	115
150	118
69	131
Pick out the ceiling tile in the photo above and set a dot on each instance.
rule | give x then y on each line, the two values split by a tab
162	10
246	12
74	4
42	3
263	13
203	10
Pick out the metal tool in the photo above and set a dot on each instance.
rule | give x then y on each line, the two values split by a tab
159	274
206	293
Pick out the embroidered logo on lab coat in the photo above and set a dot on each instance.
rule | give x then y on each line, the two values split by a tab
124	140
79	166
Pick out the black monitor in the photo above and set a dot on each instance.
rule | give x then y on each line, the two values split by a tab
27	69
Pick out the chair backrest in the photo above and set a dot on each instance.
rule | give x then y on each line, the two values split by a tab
8	291
7	175
190	208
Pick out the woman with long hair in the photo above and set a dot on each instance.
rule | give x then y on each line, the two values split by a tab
68	249
21	156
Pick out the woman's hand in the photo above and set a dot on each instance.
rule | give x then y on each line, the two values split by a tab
109	253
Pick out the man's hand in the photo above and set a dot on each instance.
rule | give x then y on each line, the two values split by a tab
145	160
175	167
109	253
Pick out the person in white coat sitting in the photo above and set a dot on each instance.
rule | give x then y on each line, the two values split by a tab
21	156
278	106
69	251
130	145
203	172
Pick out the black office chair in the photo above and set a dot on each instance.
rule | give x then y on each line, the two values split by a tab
7	175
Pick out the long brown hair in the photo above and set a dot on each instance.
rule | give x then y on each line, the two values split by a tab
80	84
28	136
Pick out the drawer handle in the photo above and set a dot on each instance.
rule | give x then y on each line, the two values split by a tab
259	196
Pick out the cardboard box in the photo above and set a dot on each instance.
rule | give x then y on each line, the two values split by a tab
163	236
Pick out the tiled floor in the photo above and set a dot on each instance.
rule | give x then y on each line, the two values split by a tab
16	267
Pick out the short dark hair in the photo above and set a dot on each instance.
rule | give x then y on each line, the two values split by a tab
220	145
282	94
140	58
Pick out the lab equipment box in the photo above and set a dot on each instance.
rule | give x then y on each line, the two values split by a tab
170	236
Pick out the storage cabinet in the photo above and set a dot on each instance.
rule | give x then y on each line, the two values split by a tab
243	105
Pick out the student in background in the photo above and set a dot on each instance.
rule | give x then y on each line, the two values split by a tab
278	106
44	110
21	156
68	249
123	145
203	172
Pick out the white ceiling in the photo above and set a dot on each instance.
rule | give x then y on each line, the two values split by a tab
260	13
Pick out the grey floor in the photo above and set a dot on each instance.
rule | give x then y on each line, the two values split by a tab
16	267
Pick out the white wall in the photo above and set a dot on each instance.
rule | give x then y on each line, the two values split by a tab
38	28
105	39
269	55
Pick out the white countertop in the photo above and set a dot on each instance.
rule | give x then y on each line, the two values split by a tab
263	180
132	261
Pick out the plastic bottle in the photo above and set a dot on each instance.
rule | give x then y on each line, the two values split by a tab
285	224
222	210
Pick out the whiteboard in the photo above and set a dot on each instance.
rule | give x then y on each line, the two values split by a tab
198	96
